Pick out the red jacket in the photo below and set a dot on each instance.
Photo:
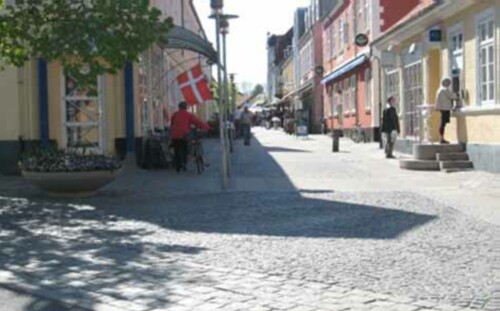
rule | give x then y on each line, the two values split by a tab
181	124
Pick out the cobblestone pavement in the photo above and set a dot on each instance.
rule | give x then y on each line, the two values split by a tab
160	241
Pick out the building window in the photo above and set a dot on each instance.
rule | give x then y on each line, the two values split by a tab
352	90
341	34
368	89
486	56
456	41
368	14
413	97
334	41
359	20
346	30
392	87
83	112
328	45
337	100
347	96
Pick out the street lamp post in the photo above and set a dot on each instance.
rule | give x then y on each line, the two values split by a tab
217	6
224	30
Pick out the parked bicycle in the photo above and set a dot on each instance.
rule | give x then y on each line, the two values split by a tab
197	151
359	134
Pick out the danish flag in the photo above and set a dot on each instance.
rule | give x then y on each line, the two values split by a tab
194	86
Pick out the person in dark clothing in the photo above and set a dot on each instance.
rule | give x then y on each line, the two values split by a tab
390	127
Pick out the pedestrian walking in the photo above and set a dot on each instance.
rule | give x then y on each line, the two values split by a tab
444	103
390	127
246	125
181	124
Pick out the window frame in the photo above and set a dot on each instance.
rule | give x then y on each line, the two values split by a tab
484	18
367	14
368	89
353	80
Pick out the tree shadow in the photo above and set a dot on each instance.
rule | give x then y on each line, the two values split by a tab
74	254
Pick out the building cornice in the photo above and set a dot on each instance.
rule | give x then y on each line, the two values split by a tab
421	21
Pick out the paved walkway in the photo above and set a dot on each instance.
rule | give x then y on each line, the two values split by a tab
302	229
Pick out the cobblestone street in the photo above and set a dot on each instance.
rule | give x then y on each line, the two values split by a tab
301	229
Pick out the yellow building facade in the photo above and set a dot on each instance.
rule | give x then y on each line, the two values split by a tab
40	105
459	40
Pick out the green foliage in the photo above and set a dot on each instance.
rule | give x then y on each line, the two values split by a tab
53	160
258	89
89	37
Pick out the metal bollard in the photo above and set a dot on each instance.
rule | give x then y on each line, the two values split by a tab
335	146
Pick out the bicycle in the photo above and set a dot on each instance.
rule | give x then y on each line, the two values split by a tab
359	134
198	152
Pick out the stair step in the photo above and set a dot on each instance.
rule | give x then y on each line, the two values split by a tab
429	152
457	170
419	165
452	156
455	165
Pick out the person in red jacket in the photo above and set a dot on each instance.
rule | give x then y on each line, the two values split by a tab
180	127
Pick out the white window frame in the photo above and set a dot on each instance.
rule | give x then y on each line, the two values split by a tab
354	95
368	89
483	18
392	89
346	30
453	31
328	45
334	40
341	34
360	21
368	13
346	101
101	114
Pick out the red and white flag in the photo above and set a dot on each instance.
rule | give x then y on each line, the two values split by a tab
194	86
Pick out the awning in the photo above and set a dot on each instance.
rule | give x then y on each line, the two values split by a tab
345	69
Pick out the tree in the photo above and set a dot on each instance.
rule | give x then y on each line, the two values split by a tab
257	90
88	37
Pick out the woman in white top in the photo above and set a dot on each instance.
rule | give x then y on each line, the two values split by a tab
444	103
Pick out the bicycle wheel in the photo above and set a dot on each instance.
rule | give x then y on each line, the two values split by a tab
200	166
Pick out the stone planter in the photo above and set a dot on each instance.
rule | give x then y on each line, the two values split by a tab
70	184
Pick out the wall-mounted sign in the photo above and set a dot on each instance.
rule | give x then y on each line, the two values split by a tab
319	70
361	40
435	35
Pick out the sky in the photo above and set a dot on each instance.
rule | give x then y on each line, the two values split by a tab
247	54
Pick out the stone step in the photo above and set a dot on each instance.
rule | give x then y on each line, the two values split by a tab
419	165
457	170
444	165
429	152
452	156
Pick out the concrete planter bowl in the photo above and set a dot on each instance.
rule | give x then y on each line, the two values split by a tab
71	184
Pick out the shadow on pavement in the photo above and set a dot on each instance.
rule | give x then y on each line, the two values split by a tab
281	149
113	242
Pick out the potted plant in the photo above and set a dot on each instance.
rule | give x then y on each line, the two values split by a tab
68	174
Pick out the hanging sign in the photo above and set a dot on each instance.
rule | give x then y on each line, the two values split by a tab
361	40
